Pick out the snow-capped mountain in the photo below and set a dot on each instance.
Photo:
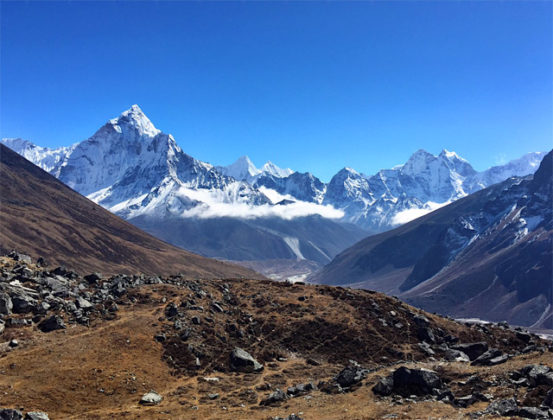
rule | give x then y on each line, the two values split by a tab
424	183
51	160
244	170
135	170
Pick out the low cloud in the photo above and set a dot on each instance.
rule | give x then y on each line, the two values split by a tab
411	214
218	204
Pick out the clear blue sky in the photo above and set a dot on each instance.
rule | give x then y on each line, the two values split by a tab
314	86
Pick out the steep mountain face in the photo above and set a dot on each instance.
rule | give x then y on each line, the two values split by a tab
51	160
488	255
43	217
244	170
425	182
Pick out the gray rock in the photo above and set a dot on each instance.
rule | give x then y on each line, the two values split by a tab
385	386
82	303
490	358
350	375
538	375
6	304
13	343
36	415
20	257
532	413
51	324
151	398
409	382
426	349
242	361
507	407
93	278
456	356
196	320
548	401
10	414
274	398
472	350
2	327
213	396
23	303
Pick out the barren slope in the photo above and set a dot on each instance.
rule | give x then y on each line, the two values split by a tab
41	216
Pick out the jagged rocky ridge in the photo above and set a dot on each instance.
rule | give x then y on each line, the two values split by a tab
247	329
488	255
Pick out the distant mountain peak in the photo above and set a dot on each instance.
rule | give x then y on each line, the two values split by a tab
272	169
135	118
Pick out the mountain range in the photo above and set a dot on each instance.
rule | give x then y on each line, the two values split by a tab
244	213
488	255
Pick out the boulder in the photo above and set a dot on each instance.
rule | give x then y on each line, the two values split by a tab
537	375
151	398
350	375
84	304
274	398
242	361
36	415
10	414
456	356
6	304
93	278
472	350
23	303
385	386
506	407
548	401
51	324
415	381
407	382
532	413
490	358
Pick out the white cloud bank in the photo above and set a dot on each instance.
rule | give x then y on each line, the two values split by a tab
218	204
411	214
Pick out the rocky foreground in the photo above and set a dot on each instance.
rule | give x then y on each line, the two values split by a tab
75	346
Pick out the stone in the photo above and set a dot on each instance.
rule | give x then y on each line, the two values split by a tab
82	303
532	413
456	356
213	396
151	398
196	320
242	361
23	303
548	401
13	343
10	414
409	382
6	304
537	375
472	350
2	327
385	386
36	415
426	349
274	398
350	375
171	310
506	407
51	324
93	278
490	358
20	257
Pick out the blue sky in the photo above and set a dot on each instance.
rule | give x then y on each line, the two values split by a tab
314	86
